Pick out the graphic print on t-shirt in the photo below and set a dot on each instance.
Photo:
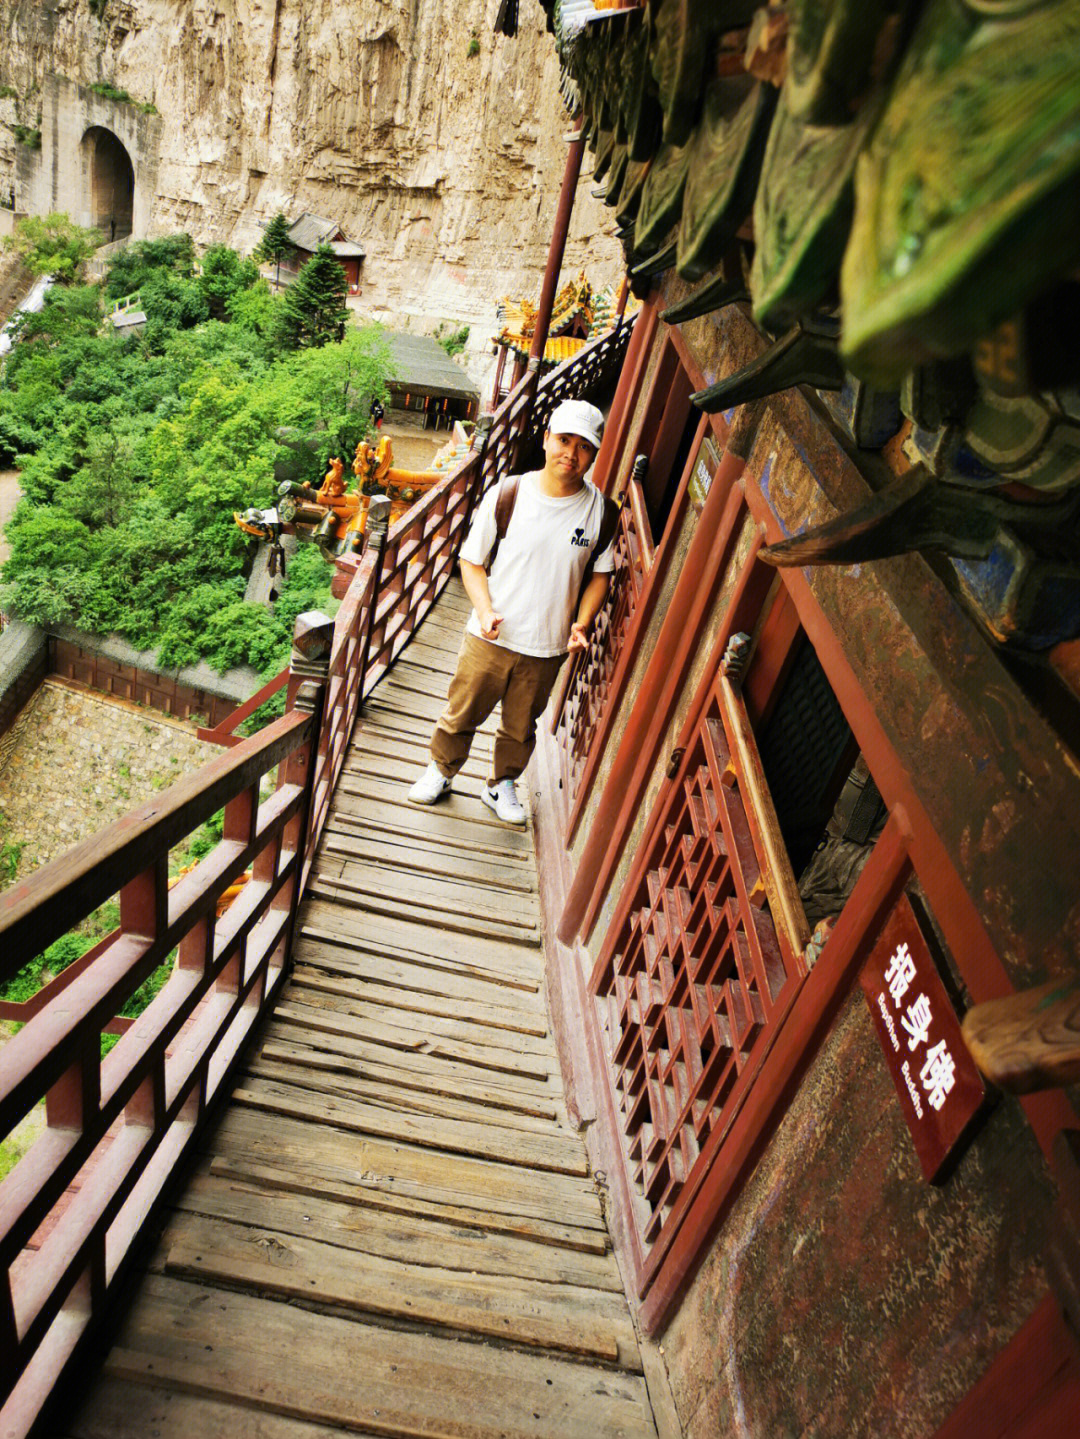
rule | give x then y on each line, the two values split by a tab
535	579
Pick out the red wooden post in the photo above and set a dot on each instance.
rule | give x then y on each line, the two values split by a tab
309	666
630	377
556	250
498	377
378	522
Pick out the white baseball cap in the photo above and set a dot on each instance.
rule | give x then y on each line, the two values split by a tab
578	417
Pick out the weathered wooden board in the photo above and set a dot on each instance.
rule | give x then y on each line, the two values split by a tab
409	1002
422	855
454	1136
482	1221
419	1069
276	1356
298	1069
407	828
424	976
370	1162
405	1238
552	1316
321	1012
123	1408
463	1029
438	917
476	955
459	818
405	886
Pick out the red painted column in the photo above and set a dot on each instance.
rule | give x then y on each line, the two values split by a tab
555	251
626	392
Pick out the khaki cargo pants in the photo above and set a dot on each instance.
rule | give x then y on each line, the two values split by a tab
487	674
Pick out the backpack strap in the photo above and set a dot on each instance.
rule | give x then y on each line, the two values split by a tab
504	508
608	525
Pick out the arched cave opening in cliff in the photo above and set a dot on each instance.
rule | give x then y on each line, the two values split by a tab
111	178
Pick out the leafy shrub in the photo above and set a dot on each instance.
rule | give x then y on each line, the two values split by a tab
452	341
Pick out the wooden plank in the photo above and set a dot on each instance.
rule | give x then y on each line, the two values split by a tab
424	1088
430	884
489	1304
425	855
419	1070
484	1062
409	1032
395	1382
404	1238
558	1155
453	839
394	998
459	818
512	964
375	1163
334	1079
401	749
413	973
433	891
438	917
119	1408
480	1220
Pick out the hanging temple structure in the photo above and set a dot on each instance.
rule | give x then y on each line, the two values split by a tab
892	188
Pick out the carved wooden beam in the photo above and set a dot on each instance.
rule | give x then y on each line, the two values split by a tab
1030	1040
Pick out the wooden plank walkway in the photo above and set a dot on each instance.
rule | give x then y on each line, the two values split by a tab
392	1230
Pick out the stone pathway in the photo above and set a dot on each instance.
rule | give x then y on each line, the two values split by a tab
80	760
10	494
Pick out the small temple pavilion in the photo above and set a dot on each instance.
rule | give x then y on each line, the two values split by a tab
310	231
579	314
429	387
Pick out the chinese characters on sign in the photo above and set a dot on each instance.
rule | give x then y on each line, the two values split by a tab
701	478
940	1089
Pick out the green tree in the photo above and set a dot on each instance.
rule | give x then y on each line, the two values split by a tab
313	310
53	245
65	314
275	244
225	274
134	265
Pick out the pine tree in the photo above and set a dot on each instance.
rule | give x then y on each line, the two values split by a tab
275	244
313	309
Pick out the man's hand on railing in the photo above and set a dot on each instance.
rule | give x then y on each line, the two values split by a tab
579	638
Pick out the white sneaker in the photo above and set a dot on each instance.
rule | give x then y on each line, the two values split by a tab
431	786
502	798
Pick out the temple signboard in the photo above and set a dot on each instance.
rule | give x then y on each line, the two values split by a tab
701	478
940	1090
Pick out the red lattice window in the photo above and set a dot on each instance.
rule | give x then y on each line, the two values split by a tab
698	971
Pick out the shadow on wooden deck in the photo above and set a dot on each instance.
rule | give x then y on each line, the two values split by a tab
392	1230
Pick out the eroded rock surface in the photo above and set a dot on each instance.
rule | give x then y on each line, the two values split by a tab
434	143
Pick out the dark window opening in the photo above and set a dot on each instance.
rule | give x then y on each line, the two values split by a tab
661	488
829	808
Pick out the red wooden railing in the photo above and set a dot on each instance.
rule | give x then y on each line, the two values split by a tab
117	1127
589	692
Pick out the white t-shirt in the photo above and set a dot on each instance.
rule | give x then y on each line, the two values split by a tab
535	581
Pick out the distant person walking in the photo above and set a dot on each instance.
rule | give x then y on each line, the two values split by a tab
535	564
377	414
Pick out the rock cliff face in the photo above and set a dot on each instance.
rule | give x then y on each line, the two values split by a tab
434	143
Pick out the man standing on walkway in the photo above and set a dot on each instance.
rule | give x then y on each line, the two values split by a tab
536	589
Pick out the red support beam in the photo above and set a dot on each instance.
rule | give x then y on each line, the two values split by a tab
556	250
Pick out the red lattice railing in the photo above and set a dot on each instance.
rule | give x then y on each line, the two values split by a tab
702	963
117	1127
588	691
